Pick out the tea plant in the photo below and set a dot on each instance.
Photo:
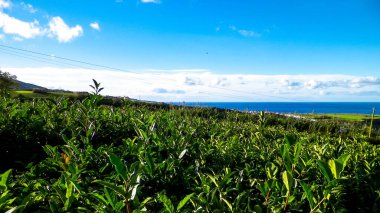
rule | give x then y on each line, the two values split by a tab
92	155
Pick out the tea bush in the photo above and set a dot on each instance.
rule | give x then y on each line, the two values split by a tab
97	155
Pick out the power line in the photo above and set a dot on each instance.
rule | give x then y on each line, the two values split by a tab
38	56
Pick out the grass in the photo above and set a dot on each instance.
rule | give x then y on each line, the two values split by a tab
348	117
33	94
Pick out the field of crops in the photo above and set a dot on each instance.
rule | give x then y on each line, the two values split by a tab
61	155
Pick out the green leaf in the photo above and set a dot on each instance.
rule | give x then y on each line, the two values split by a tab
325	170
287	178
258	209
149	162
4	179
119	166
167	203
213	180
343	159
69	190
184	201
297	152
271	170
112	186
99	198
284	149
142	204
290	140
53	206
335	167
308	193
15	209
228	204
110	199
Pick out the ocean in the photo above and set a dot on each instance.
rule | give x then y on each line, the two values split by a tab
293	107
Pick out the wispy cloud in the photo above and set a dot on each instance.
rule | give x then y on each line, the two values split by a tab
28	7
244	32
187	85
166	91
151	1
95	26
249	33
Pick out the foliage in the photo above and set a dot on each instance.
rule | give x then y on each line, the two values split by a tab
7	82
62	155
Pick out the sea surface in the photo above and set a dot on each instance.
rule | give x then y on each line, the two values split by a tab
293	107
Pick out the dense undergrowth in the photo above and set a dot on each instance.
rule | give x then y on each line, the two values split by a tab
92	155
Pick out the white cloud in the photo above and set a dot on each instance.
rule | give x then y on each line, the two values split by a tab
27	30
5	4
59	29
151	1
189	85
95	26
21	30
2	36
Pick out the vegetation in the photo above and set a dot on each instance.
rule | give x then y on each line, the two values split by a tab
64	155
349	117
7	83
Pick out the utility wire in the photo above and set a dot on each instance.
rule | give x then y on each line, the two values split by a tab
38	56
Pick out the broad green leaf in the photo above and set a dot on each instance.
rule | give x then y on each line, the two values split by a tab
4	179
287	178
308	193
99	197
69	190
184	201
343	159
286	157
111	186
119	166
335	167
110	199
167	203
325	170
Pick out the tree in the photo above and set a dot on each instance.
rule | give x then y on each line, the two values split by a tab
7	82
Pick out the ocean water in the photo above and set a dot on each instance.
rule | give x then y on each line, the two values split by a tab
293	107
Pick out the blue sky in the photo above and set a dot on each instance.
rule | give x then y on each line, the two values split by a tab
295	42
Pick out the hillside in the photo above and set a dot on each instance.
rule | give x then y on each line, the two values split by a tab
28	86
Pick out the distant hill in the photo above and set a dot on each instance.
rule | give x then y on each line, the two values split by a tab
28	86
